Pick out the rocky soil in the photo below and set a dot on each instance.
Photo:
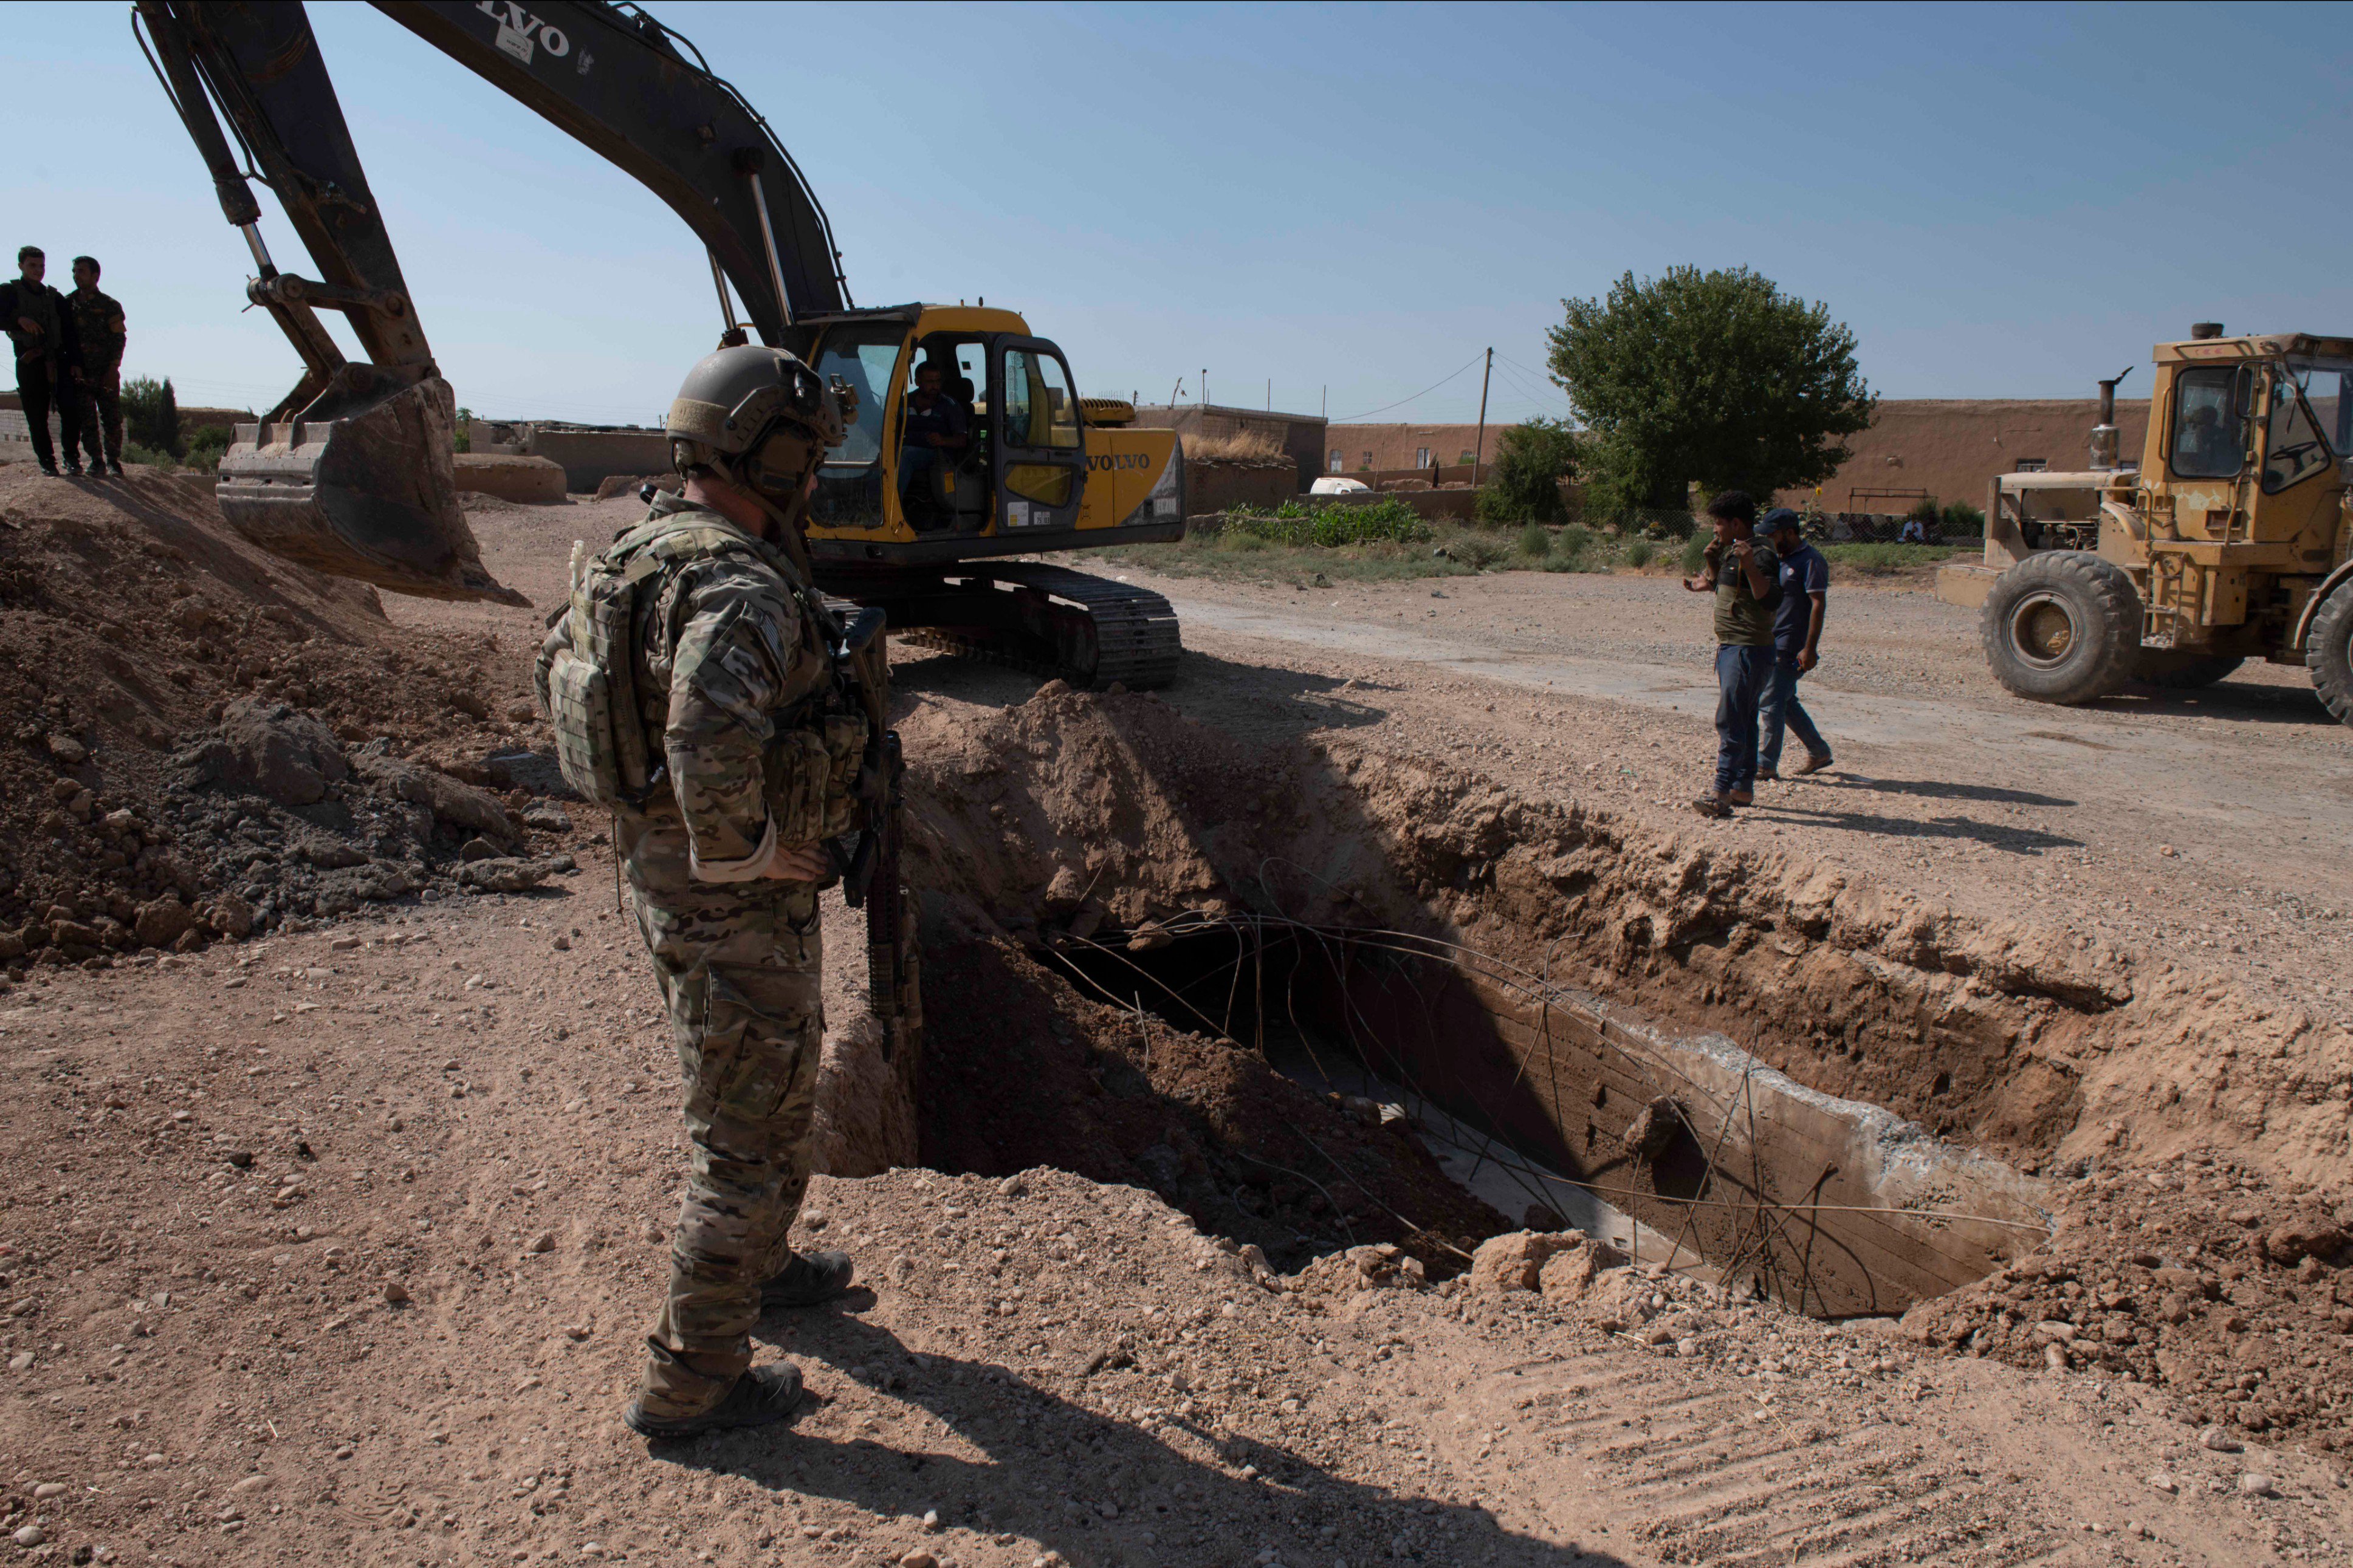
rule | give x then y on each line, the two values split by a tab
331	1240
342	1253
178	707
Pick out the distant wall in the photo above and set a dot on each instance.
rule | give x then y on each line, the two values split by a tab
1952	448
16	431
1456	505
1391	449
1221	485
511	477
1299	437
588	456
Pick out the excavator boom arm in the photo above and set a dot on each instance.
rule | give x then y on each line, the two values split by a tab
353	472
623	85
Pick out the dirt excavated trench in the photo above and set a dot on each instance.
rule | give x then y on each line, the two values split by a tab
1157	895
2033	1146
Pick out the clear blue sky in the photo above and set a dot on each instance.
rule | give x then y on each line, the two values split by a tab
2002	201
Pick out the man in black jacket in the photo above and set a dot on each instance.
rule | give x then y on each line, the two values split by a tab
41	329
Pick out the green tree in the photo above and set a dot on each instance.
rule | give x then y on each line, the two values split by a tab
1523	484
1714	377
152	413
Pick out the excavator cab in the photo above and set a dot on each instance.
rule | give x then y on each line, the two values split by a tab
926	532
1039	467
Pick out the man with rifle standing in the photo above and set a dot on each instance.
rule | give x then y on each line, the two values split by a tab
699	686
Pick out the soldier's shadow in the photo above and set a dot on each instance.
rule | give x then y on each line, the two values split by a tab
1049	1466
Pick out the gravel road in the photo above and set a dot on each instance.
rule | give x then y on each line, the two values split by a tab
2216	824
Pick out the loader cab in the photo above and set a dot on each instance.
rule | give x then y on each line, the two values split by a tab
1019	464
2247	441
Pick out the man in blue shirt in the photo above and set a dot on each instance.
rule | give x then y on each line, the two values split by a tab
1797	635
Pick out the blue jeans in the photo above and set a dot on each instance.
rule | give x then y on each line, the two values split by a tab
1780	706
1740	679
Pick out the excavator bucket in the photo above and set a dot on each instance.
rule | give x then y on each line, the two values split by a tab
362	483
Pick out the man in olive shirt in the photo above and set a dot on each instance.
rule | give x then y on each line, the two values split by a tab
97	377
1745	576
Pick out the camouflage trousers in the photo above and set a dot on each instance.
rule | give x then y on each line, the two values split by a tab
740	966
98	402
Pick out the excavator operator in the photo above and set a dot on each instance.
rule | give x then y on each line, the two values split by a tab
937	432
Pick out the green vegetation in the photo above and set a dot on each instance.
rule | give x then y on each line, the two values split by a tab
1960	517
1330	525
151	414
205	447
133	452
1523	484
1637	553
1694	555
465	437
1267	547
1713	378
1573	550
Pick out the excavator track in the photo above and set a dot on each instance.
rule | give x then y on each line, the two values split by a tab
1089	630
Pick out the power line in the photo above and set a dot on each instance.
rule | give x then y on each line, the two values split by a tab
1534	406
1542	375
1401	402
1539	380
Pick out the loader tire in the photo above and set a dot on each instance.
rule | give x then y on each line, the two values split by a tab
2182	671
2328	653
2061	626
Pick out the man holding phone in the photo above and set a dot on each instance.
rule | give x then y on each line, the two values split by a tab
1745	576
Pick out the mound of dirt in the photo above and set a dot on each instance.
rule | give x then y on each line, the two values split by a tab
202	739
2195	1277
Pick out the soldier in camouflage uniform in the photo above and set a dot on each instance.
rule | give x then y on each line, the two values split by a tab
727	658
96	380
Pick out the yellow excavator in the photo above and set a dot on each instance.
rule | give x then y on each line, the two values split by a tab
353	471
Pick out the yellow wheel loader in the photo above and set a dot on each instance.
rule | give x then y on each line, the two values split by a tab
353	472
2232	540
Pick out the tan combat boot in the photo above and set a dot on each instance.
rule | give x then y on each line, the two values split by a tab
677	1399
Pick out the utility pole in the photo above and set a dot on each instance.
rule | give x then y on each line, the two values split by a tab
1479	453
1205	388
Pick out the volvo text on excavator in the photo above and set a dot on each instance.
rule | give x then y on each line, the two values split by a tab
353	471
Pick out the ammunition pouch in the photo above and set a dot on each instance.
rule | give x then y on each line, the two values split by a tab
592	697
812	778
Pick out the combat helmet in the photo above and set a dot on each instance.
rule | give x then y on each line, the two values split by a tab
759	419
